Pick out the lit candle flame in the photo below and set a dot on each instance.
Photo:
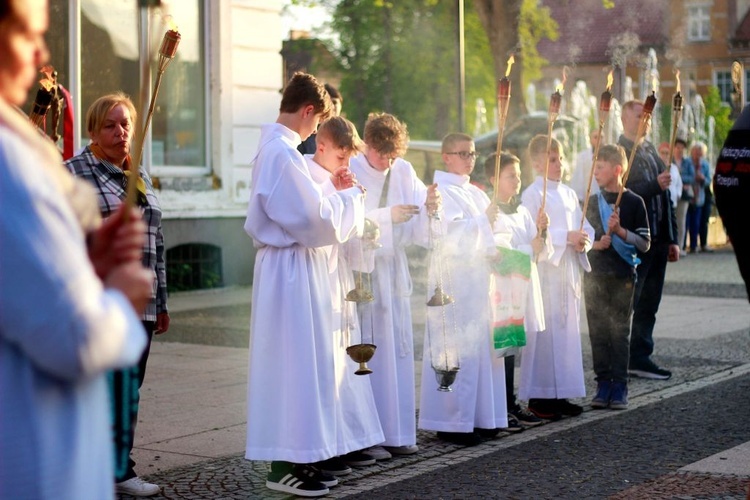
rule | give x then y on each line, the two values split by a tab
610	80
653	84
171	25
511	60
677	76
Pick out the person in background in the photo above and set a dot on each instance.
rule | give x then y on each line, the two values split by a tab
701	185
307	147
687	176
649	178
675	187
105	164
584	161
71	293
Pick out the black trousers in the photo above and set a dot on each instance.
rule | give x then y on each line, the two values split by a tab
125	386
648	290
609	306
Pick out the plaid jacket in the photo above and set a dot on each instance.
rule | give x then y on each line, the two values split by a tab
110	185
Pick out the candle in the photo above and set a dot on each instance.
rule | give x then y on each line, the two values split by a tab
503	89
554	102
648	106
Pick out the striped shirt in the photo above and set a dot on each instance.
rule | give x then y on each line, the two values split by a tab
110	184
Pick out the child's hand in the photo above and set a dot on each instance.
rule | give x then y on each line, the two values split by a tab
578	240
614	223
542	220
537	244
603	243
403	213
343	178
492	213
434	200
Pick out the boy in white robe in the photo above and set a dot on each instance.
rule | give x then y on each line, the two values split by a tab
291	377
358	426
552	363
475	407
394	201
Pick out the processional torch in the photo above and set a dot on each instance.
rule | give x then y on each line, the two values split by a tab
44	97
676	115
167	52
648	108
604	104
503	99
554	111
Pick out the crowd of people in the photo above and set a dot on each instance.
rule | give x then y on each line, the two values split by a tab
83	285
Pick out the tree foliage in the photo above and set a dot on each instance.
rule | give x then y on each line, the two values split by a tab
720	112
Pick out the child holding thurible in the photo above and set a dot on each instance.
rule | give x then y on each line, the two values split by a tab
620	235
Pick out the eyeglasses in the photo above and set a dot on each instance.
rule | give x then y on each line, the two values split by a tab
465	155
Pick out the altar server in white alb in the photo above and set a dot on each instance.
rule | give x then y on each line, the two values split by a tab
396	201
476	407
552	363
357	422
291	380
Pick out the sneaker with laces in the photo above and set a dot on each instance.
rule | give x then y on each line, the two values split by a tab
137	487
648	369
378	453
358	459
619	398
513	424
603	390
334	466
525	417
407	449
288	478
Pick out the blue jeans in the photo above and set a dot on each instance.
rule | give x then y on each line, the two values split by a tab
694	225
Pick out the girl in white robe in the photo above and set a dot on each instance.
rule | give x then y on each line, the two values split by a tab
552	363
477	399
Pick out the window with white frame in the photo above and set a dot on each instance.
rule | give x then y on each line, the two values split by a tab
723	81
109	60
699	22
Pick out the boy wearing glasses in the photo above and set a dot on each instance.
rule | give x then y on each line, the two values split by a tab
476	406
395	197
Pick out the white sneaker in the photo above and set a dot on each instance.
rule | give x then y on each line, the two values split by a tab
378	453
137	487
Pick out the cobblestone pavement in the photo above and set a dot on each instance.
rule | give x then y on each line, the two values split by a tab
632	454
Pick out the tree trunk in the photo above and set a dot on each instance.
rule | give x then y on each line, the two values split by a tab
500	20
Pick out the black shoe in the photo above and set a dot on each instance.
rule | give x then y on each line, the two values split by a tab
565	407
285	477
648	369
487	433
358	459
460	438
525	417
312	473
333	466
513	424
545	409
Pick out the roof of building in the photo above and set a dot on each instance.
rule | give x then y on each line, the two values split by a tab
591	33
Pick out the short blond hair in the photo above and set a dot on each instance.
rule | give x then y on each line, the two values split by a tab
98	111
538	146
386	134
451	140
342	133
614	154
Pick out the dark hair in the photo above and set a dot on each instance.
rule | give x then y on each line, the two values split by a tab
505	160
304	90
334	93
